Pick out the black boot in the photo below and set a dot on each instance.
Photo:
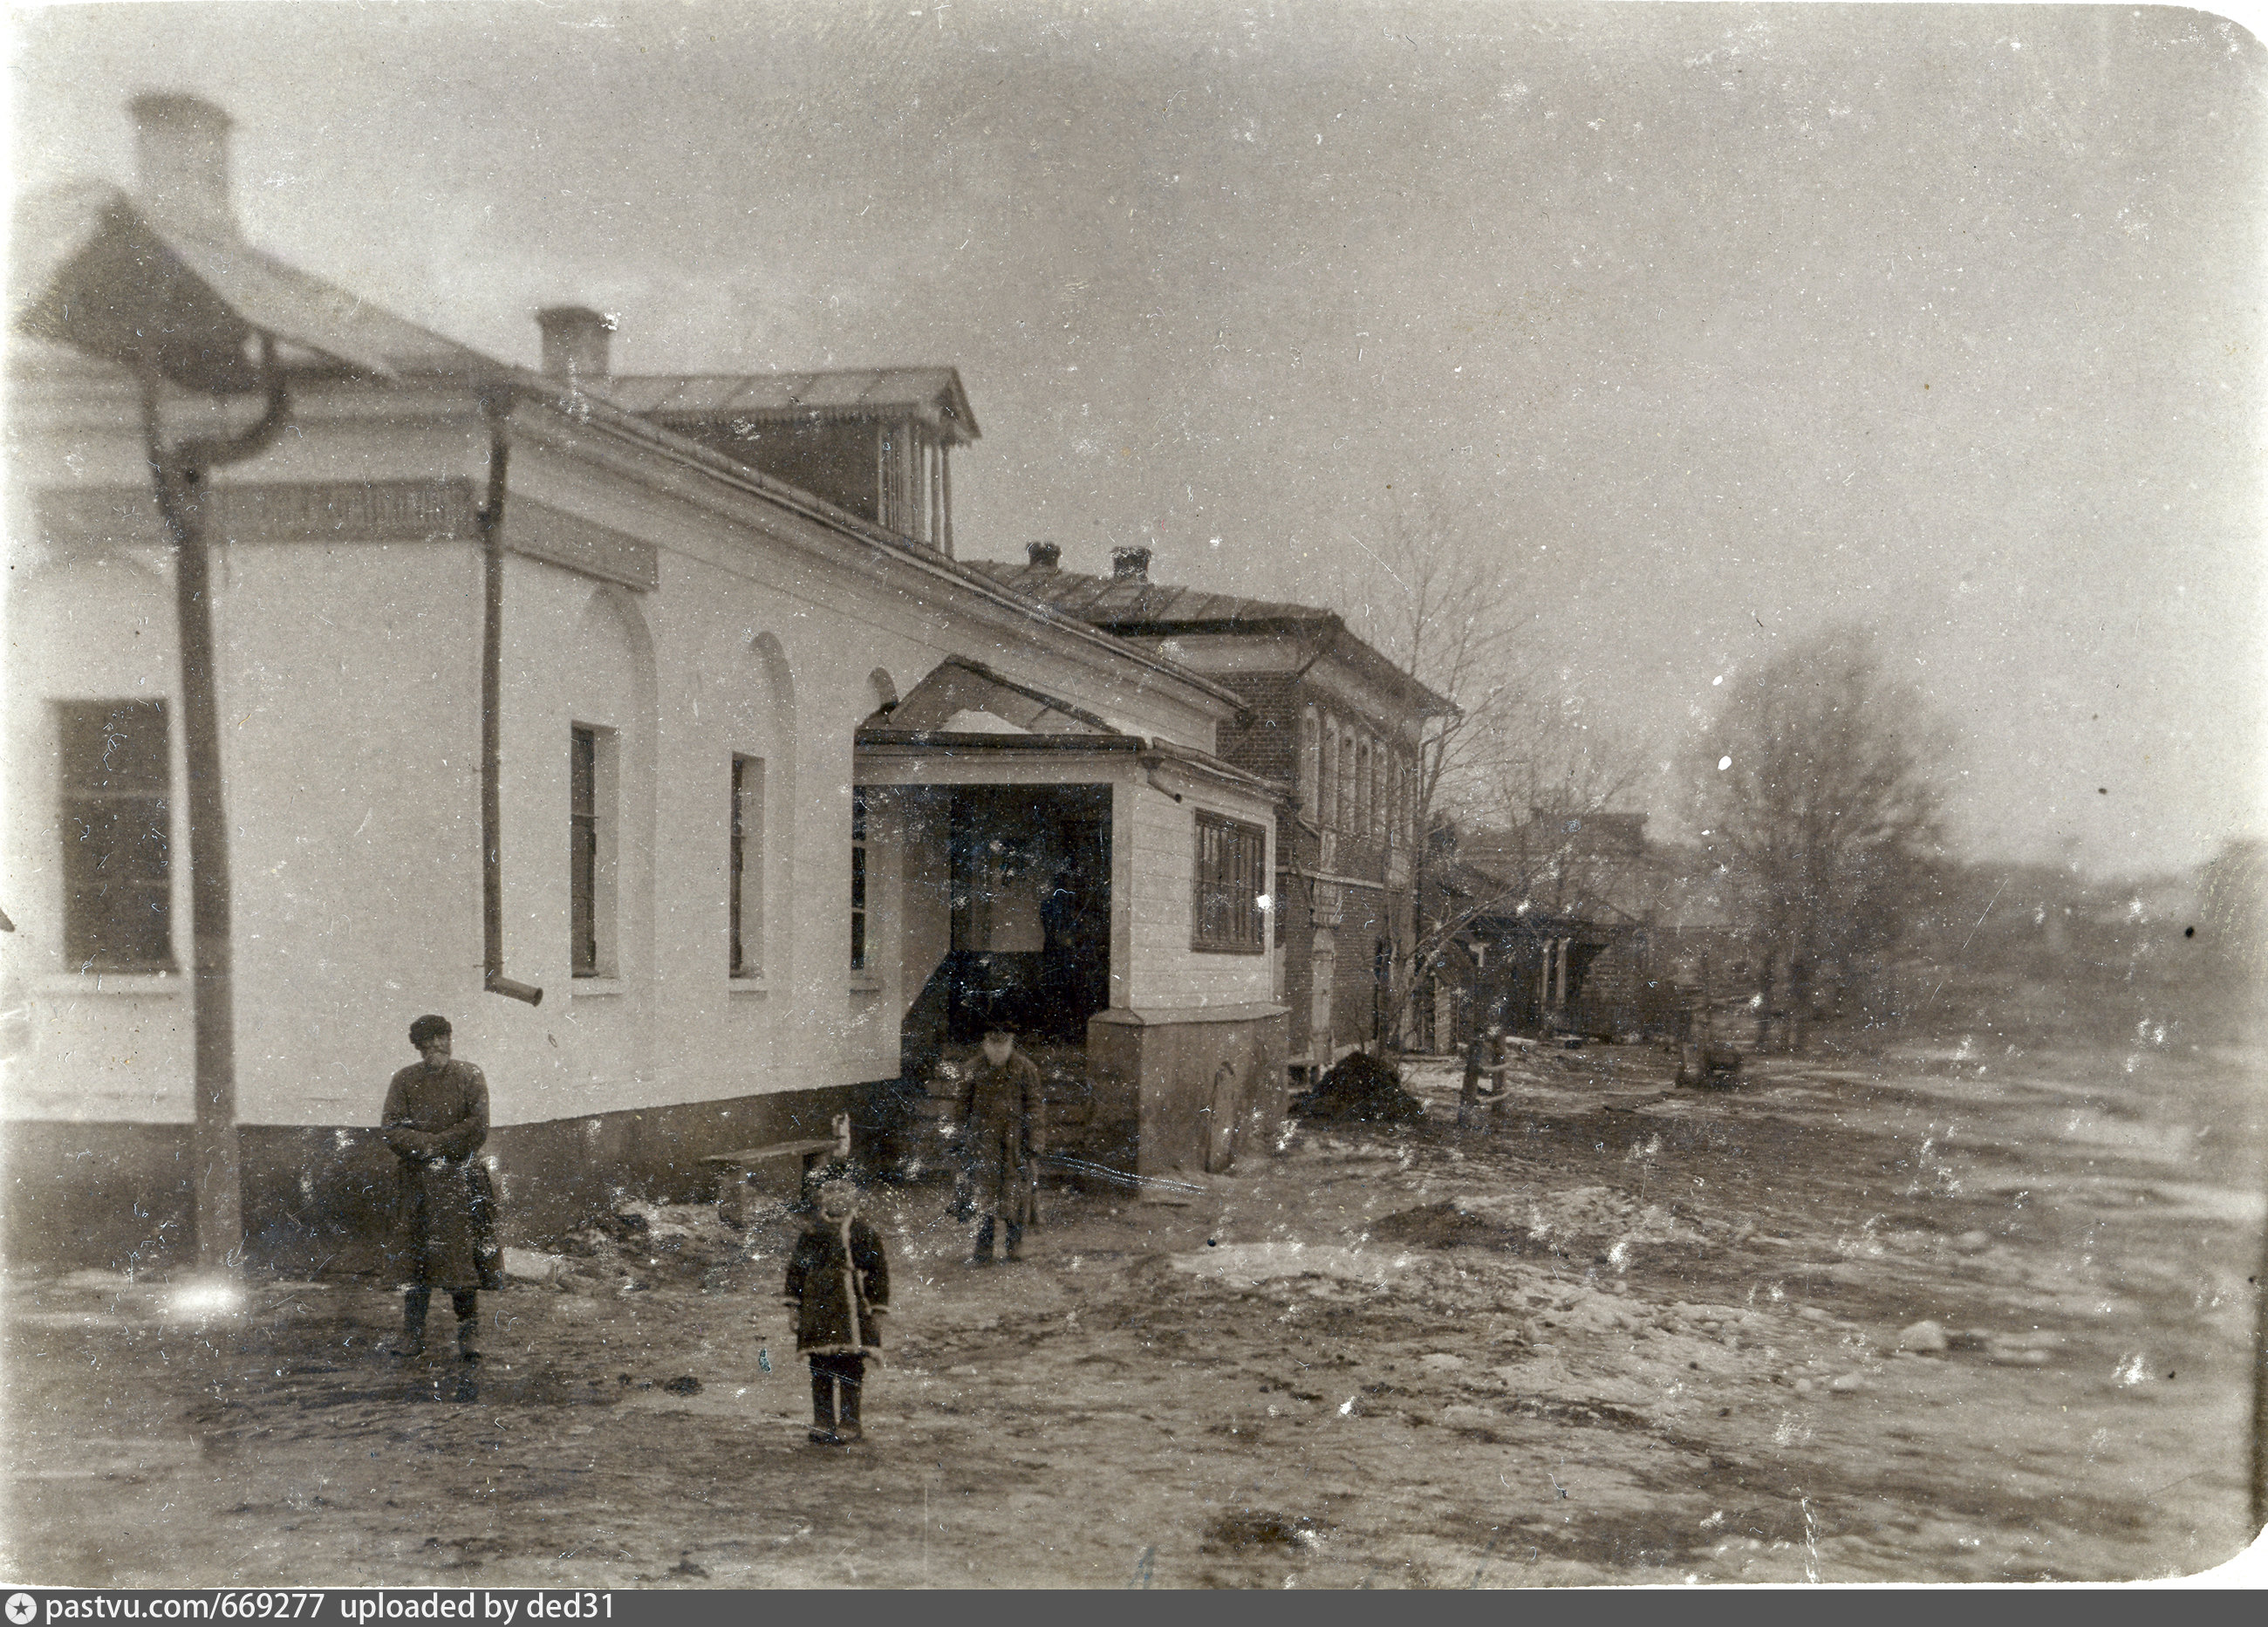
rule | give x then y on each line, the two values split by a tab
854	1381
469	1325
822	1408
412	1341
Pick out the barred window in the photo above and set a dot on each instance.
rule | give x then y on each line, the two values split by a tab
1230	857
117	873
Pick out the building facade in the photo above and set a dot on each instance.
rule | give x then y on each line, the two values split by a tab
1338	729
732	731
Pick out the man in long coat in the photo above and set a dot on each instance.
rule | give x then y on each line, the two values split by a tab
1002	1136
436	1119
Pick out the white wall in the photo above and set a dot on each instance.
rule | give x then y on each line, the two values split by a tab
1165	972
98	627
350	687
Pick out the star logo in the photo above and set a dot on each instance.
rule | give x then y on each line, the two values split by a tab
22	1607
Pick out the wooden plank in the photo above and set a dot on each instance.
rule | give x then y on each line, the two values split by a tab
755	1155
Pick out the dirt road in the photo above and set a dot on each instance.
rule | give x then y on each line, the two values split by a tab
1632	1333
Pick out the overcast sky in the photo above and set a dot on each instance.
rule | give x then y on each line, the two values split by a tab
1724	322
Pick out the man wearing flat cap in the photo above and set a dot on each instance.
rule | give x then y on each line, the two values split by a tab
1002	1137
436	1119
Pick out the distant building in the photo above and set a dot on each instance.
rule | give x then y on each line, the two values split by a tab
1333	723
1559	925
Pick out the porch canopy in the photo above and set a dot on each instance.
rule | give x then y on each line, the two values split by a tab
1038	872
968	725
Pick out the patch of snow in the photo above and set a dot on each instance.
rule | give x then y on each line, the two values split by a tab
528	1265
1245	1265
1927	1338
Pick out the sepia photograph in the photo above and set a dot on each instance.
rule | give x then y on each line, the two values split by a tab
1039	794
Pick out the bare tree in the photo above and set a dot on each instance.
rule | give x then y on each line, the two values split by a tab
1439	593
1440	601
1536	783
1814	787
1436	592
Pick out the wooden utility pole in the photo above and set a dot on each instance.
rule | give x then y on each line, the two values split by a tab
178	474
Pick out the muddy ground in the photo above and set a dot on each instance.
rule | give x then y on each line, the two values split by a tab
1627	1333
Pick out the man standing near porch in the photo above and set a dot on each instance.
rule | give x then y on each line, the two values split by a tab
1002	1137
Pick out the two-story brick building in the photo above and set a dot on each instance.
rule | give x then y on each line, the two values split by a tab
1332	722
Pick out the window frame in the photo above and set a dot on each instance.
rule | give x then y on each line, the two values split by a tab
1347	771
88	800
861	879
1362	787
1237	863
745	871
593	838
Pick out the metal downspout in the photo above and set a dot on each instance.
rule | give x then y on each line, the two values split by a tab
497	409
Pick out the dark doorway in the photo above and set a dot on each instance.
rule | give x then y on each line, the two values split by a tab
1028	867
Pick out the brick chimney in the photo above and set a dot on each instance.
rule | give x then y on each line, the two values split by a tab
575	342
1045	556
180	154
1129	564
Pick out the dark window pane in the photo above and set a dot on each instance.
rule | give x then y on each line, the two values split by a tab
114	827
735	863
583	852
1228	866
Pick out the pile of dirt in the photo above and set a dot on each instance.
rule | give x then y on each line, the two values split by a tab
639	1246
1447	1225
1243	1530
1361	1088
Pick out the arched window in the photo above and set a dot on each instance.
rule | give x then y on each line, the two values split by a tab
1362	787
608	697
1378	790
1347	780
1311	763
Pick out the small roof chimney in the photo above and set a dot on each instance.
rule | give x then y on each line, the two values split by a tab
180	154
575	342
1129	564
1045	556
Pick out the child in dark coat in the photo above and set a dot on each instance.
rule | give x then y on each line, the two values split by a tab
838	1286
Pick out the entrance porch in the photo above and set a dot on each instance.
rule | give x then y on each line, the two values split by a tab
1027	861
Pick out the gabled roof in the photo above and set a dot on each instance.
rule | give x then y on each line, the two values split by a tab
1134	604
959	691
94	268
930	394
963	709
202	293
1134	607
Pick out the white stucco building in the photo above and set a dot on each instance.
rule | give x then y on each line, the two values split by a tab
737	726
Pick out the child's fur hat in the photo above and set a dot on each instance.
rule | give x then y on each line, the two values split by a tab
841	1190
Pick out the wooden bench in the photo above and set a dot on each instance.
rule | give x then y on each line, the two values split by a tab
735	1168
